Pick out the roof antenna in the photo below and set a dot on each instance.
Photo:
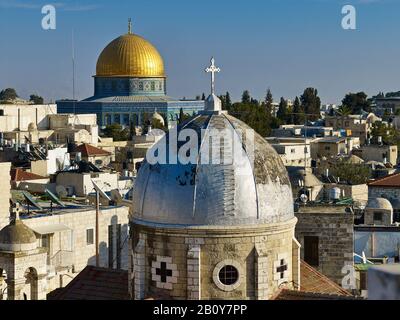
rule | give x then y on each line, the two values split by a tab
129	26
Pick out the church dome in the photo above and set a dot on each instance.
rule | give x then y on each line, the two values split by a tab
206	194
130	56
379	203
17	237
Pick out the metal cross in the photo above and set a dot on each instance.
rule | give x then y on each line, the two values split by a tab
282	268
129	26
213	69
163	272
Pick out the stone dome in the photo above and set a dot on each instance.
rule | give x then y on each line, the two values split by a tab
32	127
17	237
379	203
201	193
130	56
158	117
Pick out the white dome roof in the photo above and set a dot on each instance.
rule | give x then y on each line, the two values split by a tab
215	194
379	203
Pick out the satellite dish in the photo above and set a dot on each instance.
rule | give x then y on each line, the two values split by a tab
61	191
101	192
303	198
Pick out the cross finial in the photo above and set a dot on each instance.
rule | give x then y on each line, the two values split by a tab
129	26
213	69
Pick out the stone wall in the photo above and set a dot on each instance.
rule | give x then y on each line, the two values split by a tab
334	228
75	239
387	192
193	259
5	194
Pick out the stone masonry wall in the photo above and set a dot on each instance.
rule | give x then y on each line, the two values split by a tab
335	233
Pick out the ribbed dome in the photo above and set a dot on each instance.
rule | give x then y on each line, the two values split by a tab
130	56
17	237
379	203
206	194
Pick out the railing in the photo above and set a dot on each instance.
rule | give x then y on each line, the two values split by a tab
62	259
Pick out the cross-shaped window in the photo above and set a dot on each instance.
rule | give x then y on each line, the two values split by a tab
282	268
163	272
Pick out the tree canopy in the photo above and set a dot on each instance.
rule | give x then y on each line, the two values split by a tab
36	99
311	104
357	102
8	94
116	132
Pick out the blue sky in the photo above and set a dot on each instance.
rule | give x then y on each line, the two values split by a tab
286	45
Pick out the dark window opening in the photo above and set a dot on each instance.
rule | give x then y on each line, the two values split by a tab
228	275
311	250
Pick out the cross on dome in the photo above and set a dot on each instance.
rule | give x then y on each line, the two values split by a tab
213	69
129	26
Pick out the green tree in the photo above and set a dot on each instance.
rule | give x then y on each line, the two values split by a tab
254	116
357	102
389	135
8	94
36	99
203	96
298	112
283	112
268	101
228	101
246	96
311	104
352	173
343	110
182	116
116	132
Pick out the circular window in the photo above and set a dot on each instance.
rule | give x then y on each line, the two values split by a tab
228	275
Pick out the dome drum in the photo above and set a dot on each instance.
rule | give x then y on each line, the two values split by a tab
127	86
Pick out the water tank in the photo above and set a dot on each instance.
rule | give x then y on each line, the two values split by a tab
334	194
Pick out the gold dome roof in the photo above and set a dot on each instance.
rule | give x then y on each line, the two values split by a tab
130	56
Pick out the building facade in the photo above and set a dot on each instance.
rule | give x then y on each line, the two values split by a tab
129	86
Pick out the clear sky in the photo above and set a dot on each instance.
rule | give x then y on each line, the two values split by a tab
286	45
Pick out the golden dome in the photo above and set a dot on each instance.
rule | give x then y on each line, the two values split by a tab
130	56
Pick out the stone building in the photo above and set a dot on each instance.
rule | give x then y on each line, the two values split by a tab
379	153
41	122
5	193
378	211
214	231
357	125
41	253
389	188
326	237
22	263
129	86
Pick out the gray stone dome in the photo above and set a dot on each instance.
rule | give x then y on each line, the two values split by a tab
379	203
205	194
17	237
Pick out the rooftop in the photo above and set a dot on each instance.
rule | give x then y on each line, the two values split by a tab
21	175
392	180
94	283
313	208
88	150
